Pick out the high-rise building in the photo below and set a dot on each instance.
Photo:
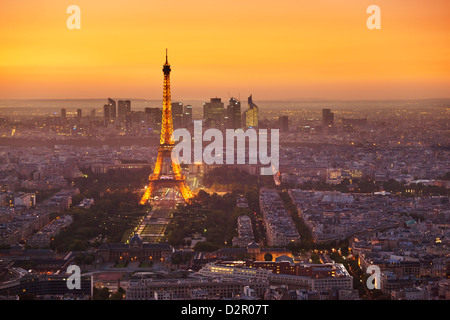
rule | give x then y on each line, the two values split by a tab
284	123
153	116
79	114
93	113
138	118
63	113
129	120
251	115
213	112
234	114
187	116
109	111
113	111
327	118
106	114
123	108
177	114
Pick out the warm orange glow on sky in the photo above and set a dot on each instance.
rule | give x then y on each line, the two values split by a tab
283	49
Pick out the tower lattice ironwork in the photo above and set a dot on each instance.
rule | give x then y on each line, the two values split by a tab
167	172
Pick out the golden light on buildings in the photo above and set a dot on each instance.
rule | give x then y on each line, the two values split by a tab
176	179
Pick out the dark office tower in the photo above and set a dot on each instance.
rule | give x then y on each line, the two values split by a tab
187	116
154	117
79	114
284	123
213	112
112	110
63	113
327	117
109	111
137	117
234	114
93	113
107	114
177	114
123	108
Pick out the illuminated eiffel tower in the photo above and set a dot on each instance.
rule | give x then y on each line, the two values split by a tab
167	172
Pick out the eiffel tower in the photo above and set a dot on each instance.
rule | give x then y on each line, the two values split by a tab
167	172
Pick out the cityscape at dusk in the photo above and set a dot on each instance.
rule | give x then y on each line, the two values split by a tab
232	152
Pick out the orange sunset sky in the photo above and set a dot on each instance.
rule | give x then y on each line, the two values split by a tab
278	49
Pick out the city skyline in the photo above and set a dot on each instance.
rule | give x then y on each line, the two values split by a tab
118	182
319	50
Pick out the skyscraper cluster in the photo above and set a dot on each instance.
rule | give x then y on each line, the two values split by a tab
126	118
215	114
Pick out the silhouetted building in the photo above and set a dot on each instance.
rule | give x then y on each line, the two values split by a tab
138	118
106	114
113	111
327	117
109	111
284	123
213	112
234	114
177	114
187	116
154	117
129	120
124	107
63	113
79	114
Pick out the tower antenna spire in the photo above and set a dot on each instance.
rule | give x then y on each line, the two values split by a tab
166	57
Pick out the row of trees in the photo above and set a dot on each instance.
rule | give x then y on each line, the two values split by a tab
116	211
111	216
93	185
229	177
216	220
